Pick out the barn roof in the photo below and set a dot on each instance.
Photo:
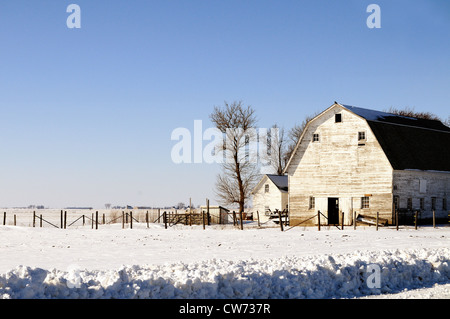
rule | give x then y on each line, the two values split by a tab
378	116
409	143
281	181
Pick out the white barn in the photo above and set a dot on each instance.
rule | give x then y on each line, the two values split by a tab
355	160
269	195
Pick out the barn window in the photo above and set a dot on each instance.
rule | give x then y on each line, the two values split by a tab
433	203
365	202
315	137
422	204
312	202
396	202
361	136
422	186
338	118
409	203
266	188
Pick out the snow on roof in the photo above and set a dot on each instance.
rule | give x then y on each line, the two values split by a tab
372	115
378	116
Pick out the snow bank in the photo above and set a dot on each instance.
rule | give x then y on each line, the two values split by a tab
326	276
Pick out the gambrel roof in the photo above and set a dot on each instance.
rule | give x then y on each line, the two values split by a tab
408	142
389	118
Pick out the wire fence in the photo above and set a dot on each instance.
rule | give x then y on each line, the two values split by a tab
170	218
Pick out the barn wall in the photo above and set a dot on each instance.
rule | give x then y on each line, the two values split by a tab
337	166
419	184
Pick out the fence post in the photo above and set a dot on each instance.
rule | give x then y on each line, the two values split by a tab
40	222
96	219
104	219
123	220
207	211
281	222
318	220
342	221
165	219
131	220
92	220
34	219
242	221
62	220
14	219
257	215
415	218
434	219
146	218
354	220
203	219
377	220
83	219
396	218
65	219
4	218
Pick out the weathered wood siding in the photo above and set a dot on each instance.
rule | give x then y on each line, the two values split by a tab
336	166
420	184
274	199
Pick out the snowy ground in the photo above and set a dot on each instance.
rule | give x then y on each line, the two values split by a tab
224	262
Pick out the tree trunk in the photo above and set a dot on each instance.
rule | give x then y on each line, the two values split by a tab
240	184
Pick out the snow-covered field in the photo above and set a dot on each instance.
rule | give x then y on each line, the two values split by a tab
224	262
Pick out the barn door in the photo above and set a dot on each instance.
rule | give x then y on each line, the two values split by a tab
333	211
346	207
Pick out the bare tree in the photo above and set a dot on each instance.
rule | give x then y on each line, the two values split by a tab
280	144
239	172
180	205
447	121
407	111
277	147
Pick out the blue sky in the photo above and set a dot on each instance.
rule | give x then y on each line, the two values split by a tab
87	114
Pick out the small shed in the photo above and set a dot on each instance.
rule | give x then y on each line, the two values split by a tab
270	195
